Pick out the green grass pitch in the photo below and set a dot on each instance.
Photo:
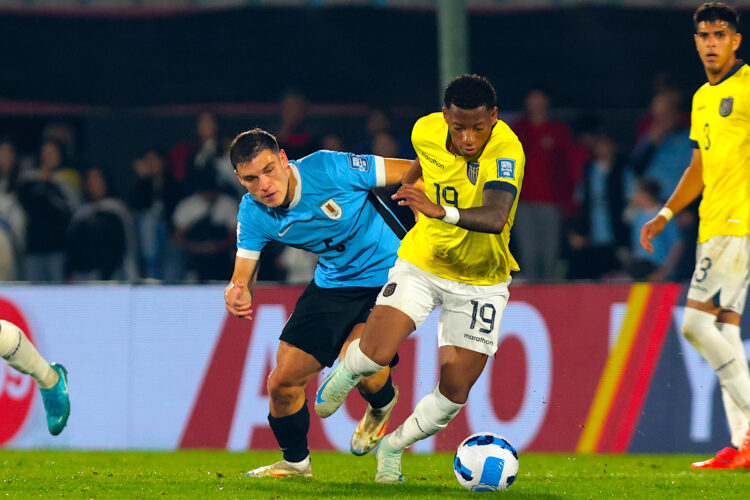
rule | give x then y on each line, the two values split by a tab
217	475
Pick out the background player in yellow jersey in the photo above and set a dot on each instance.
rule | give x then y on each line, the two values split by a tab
456	256
720	171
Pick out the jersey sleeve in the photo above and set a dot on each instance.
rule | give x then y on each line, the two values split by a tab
250	240
693	128
356	171
503	167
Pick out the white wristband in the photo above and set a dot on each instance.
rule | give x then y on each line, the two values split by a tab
666	213
451	215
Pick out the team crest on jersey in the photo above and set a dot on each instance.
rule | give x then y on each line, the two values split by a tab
725	108
506	168
332	209
358	162
472	172
389	289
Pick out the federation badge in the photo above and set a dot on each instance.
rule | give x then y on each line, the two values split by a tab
359	162
331	209
389	289
472	172
506	168
725	108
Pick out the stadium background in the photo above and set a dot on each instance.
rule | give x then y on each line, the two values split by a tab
583	367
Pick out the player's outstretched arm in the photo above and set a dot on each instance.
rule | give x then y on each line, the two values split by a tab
396	170
414	173
687	190
238	297
491	217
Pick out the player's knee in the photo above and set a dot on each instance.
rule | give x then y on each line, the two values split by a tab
280	390
8	337
695	323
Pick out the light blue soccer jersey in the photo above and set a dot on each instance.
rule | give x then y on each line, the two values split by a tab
329	216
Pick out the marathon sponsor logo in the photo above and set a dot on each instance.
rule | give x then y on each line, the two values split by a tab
478	339
433	161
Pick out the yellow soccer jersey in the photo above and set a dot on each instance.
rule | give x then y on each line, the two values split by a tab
720	128
449	251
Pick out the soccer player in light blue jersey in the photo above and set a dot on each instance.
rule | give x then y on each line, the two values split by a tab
323	204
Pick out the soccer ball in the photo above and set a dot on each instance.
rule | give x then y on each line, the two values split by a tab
485	462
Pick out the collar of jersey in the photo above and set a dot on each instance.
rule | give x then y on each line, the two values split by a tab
740	63
297	188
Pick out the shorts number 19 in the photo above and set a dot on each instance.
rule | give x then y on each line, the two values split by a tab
486	314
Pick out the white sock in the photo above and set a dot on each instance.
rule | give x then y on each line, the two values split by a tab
21	354
699	328
357	363
432	414
738	424
301	465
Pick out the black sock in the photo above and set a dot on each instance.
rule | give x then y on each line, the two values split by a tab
291	434
382	397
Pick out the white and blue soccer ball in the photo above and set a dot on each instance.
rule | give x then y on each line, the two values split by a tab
486	462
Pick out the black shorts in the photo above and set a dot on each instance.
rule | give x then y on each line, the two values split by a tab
323	318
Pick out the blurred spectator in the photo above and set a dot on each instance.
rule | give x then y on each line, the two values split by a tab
299	265
204	228
190	157
332	142
48	202
663	83
586	132
598	235
12	216
294	132
153	198
547	188
381	136
663	152
64	134
101	240
658	266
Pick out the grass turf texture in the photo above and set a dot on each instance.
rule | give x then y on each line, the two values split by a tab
201	474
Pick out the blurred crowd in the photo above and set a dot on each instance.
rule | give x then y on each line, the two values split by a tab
583	201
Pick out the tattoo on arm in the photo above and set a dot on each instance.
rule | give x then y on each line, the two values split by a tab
253	278
492	216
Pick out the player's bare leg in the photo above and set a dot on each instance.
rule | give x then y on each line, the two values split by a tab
381	396
459	370
386	328
730	366
289	416
52	379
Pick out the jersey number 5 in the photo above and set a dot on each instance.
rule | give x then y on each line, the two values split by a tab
450	195
329	245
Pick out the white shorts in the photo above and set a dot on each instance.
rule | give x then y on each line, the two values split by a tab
722	272
471	314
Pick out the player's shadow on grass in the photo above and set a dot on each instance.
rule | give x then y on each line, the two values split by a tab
415	488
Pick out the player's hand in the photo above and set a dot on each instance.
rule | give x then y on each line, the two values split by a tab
651	230
238	300
411	196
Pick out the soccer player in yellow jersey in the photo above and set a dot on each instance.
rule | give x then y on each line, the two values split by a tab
720	171
456	256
